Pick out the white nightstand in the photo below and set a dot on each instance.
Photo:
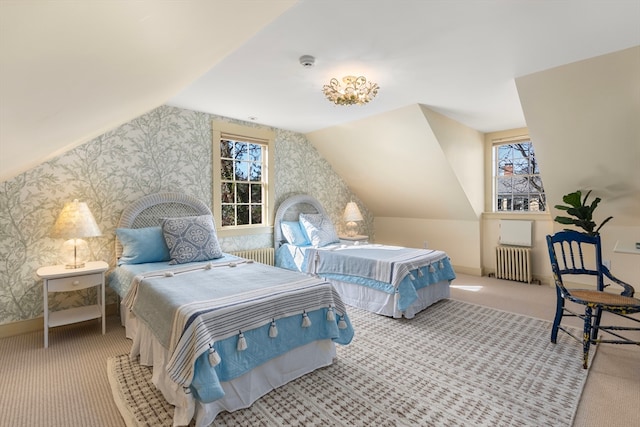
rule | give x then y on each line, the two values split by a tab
358	239
58	278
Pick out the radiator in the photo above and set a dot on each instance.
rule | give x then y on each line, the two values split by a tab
513	263
262	255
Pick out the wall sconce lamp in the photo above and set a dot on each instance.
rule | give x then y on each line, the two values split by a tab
74	223
352	215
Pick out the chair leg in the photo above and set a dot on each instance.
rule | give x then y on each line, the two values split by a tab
586	336
558	317
596	324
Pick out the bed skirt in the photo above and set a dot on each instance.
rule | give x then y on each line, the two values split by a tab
240	392
386	304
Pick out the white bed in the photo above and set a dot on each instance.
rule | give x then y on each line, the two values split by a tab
295	317
402	289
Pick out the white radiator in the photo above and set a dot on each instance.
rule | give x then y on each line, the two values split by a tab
262	255
513	263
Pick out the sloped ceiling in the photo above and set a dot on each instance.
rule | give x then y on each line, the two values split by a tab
585	120
71	70
410	163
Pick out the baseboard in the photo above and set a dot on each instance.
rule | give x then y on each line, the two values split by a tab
467	270
535	279
33	325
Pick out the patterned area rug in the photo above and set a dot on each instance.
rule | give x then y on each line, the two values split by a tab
454	364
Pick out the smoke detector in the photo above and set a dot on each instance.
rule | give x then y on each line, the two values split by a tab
307	61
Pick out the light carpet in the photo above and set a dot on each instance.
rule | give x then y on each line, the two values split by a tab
454	364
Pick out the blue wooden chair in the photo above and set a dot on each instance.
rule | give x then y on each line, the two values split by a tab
578	254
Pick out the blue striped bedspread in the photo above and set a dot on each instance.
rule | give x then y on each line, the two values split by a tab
202	313
390	269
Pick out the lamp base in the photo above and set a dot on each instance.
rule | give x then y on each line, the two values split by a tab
352	228
74	253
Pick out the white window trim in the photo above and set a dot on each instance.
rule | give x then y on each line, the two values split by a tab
221	129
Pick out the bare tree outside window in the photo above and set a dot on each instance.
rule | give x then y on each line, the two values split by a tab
518	184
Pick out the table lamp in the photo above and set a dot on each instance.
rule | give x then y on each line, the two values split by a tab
74	223
351	216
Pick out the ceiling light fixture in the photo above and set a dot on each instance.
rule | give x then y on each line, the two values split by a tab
354	90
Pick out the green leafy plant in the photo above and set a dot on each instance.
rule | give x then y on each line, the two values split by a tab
581	212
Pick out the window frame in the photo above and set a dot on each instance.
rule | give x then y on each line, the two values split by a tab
495	143
243	133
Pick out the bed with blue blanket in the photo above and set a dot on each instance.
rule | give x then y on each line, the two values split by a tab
219	331
389	280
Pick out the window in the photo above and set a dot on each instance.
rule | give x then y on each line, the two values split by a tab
517	181
242	193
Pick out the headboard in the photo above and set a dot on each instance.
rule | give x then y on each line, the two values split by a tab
290	209
147	211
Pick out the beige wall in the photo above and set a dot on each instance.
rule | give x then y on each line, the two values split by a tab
459	239
472	244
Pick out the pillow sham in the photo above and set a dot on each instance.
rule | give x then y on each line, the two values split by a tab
294	233
191	238
140	245
319	229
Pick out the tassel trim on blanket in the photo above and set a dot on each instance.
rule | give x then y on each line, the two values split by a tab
341	323
330	314
214	357
273	329
242	342
306	322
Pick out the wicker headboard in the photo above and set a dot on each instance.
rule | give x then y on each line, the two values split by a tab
290	209
147	211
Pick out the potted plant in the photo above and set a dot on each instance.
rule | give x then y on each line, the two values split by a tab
581	212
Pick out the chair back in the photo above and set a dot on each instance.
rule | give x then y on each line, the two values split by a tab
576	253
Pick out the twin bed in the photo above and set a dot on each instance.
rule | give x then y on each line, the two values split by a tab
221	331
389	280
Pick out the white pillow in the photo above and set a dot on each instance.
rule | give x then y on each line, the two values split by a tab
319	229
294	233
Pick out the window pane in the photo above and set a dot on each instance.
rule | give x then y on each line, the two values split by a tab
226	149
226	169
227	192
243	215
519	204
504	185
520	185
521	166
241	151
256	193
242	193
255	152
256	172
242	171
256	214
228	215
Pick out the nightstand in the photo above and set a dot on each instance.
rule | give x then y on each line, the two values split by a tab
358	239
58	278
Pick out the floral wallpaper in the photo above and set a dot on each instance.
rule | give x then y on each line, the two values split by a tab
167	149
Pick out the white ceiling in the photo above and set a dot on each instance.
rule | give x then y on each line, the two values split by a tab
72	70
459	57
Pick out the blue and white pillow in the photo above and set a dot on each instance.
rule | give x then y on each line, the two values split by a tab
294	233
319	229
140	245
191	239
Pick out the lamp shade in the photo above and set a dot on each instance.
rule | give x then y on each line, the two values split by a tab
352	213
75	222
